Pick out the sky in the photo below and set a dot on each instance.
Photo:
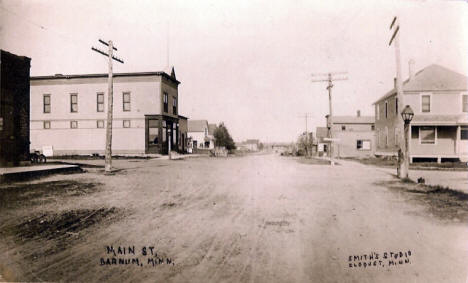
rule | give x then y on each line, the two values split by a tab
249	64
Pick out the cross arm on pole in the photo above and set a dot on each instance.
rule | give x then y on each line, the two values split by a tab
107	55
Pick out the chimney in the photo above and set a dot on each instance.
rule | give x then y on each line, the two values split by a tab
358	113
411	63
394	83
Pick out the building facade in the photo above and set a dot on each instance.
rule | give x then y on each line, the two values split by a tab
69	112
439	129
14	109
354	136
199	134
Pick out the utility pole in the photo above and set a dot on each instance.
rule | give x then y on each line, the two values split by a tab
306	116
329	77
403	165
110	106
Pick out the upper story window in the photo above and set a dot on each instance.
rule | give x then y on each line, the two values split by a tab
74	124
46	125
465	102
165	101
100	102
73	102
425	103
378	111
396	105
206	131
343	128
386	109
46	100
464	133
174	105
372	127
126	101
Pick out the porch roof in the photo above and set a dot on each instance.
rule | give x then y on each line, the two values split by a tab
440	120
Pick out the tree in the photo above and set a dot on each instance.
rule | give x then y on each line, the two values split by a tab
304	144
223	138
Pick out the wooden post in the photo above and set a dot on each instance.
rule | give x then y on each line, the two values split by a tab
108	161
330	117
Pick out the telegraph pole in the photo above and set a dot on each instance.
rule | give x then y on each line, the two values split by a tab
110	90
329	77
403	165
306	116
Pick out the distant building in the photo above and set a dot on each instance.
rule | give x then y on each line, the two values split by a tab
323	146
439	129
69	112
354	135
14	109
250	145
199	133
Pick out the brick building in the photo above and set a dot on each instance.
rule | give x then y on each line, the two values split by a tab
14	109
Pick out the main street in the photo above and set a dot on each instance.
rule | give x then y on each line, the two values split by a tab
258	218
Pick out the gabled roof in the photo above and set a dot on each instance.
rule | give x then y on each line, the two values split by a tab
197	125
322	132
433	78
211	128
353	120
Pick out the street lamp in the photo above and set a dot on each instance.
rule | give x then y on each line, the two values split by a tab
407	114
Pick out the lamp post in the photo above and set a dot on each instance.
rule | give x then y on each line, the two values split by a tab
407	115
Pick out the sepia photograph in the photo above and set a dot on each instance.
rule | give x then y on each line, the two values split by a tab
234	141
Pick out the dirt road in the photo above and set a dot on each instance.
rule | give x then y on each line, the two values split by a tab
258	218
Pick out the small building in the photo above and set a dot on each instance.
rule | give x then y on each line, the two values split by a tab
198	132
439	129
323	146
69	113
14	109
353	136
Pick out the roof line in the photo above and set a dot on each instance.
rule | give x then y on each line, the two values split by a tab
104	75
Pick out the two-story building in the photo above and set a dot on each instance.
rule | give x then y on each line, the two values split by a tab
69	112
439	129
353	135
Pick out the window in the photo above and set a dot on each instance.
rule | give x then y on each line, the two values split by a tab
372	127
464	133
378	111
465	102
363	145
165	100
126	101
386	136
73	103
206	131
427	135
74	124
100	102
174	105
425	103
343	128
153	132
164	130
126	123
386	109
396	105
46	124
100	124
46	100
